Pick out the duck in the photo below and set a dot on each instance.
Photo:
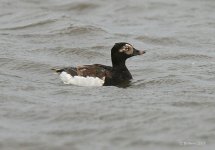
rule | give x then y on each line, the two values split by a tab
102	75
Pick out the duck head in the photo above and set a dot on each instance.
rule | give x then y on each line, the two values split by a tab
121	51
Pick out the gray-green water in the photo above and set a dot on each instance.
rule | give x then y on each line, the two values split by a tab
169	105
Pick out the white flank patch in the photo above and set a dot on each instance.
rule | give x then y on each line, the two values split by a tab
81	81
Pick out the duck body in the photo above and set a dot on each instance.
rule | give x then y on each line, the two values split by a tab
102	75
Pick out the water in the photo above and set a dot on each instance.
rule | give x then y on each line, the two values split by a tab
169	104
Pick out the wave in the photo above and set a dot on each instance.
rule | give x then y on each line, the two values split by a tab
74	6
80	29
31	25
159	40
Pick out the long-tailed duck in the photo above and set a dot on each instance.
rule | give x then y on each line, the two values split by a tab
101	75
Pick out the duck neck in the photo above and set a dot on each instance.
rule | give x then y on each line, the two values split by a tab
119	65
121	71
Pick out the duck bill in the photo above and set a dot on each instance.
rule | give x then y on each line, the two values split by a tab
138	52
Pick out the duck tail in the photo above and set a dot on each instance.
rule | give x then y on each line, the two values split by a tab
57	70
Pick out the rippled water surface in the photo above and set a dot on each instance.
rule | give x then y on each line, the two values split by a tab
170	103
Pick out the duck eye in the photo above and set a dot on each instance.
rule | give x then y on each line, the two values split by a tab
127	49
123	49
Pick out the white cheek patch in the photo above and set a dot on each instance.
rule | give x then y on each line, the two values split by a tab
122	50
128	49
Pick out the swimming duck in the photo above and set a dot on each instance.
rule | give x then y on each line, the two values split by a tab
102	75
